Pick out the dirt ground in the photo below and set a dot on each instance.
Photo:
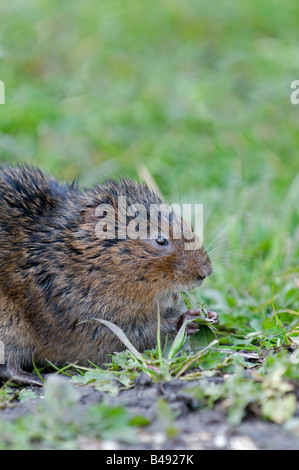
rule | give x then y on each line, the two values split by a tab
196	429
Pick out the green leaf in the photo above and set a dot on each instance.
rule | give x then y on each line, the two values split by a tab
187	300
279	409
139	420
26	394
178	342
204	337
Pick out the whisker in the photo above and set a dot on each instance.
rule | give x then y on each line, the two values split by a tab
240	255
220	233
215	246
235	266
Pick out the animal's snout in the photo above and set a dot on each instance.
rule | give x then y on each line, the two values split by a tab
205	270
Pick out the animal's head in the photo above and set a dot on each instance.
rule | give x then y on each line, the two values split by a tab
127	232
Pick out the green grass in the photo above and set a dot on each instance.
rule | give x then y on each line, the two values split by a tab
199	94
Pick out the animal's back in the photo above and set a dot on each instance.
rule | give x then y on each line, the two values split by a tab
27	193
34	213
31	208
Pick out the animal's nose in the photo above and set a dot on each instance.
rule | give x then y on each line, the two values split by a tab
205	270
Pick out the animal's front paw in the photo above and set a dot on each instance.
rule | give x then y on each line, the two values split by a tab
192	327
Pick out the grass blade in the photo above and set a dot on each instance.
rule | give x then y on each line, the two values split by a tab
122	336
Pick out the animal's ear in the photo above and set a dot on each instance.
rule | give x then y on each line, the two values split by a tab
88	214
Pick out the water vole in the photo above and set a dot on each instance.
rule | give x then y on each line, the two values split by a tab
56	272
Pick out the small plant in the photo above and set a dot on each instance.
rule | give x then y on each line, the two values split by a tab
59	422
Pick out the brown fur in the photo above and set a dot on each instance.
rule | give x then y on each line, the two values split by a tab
55	274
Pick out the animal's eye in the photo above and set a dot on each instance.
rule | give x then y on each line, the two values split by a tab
162	241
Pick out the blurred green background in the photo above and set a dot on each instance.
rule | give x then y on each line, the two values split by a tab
196	92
